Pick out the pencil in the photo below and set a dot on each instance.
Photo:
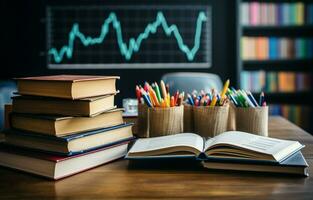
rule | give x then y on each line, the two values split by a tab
226	85
163	89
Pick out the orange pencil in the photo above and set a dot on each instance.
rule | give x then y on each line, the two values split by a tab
172	101
154	97
176	97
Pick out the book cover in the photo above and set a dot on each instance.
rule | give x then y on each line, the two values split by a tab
66	139
52	157
295	164
68	78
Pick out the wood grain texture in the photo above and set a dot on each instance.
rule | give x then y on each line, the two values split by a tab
121	179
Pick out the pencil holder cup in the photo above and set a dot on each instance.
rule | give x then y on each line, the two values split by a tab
142	121
188	119
210	121
231	123
165	121
252	120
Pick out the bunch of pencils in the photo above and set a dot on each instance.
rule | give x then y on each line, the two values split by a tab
155	96
242	98
212	98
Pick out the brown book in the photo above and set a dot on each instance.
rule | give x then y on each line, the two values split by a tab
61	126
56	106
7	111
67	86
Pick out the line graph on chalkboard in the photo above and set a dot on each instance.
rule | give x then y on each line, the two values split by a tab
168	36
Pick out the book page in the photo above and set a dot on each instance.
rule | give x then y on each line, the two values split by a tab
271	146
183	139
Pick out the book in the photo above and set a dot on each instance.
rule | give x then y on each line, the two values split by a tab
245	14
57	167
295	164
61	126
242	149
7	111
67	86
227	145
254	13
56	106
72	144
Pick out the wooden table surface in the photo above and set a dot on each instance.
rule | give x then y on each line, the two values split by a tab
120	180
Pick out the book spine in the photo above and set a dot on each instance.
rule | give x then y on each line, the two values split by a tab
245	15
254	13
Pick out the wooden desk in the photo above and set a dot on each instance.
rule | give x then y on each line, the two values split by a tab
118	180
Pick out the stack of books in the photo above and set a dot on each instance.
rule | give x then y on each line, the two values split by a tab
61	125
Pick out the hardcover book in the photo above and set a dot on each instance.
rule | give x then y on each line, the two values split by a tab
67	86
60	126
72	144
57	167
67	107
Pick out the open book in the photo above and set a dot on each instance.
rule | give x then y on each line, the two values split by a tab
232	145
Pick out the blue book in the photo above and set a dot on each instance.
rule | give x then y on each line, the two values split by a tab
273	48
280	14
309	17
286	13
71	144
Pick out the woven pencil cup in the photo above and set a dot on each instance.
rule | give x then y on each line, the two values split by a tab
210	121
165	121
252	120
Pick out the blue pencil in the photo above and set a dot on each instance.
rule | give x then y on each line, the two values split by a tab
190	100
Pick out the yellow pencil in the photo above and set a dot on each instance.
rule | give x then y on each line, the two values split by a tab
168	100
213	102
226	85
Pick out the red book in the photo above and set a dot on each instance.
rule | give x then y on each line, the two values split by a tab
57	167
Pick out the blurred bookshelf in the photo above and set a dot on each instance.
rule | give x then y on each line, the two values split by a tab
277	56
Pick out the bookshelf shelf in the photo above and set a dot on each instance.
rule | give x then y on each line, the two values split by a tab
296	65
290	31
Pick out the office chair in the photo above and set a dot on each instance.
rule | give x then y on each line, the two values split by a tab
189	81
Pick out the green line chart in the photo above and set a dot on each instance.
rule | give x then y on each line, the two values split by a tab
130	39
